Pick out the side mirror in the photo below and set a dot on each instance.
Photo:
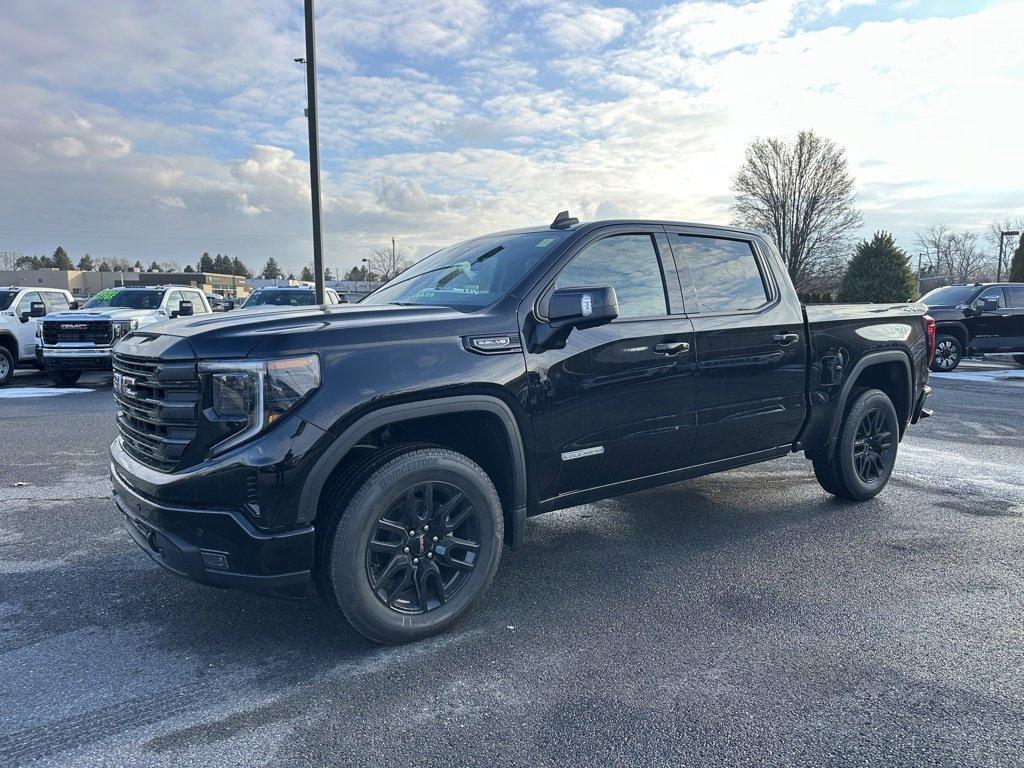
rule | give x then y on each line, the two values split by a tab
38	309
74	305
989	305
579	308
185	309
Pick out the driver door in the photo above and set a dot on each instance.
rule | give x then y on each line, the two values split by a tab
26	329
617	403
993	328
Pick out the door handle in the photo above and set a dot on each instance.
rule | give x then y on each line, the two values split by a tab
785	339
671	347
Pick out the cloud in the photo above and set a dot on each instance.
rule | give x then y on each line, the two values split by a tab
405	195
171	201
585	27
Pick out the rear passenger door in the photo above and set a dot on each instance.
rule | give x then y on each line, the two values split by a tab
1015	303
750	345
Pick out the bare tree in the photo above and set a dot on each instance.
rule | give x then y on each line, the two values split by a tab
800	194
387	263
994	234
953	257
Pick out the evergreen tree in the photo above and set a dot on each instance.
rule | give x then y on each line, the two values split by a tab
61	260
222	265
271	270
86	264
28	262
104	267
878	272
356	273
154	267
138	265
291	275
239	268
328	275
188	268
205	263
1017	263
307	273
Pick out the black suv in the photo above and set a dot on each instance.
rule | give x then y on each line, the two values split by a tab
383	451
975	320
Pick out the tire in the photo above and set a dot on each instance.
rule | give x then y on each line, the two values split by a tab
865	452
6	366
64	378
948	354
394	586
1018	359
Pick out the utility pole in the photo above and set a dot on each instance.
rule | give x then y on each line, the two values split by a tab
919	255
314	153
999	268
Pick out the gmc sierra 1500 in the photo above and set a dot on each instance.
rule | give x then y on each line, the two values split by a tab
384	450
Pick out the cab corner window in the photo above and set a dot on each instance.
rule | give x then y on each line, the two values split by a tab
627	263
725	273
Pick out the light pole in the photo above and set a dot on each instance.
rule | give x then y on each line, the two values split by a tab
999	268
314	153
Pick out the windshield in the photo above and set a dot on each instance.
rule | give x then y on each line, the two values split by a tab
278	298
6	297
950	295
130	299
469	275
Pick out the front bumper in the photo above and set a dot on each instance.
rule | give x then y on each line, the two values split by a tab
76	358
217	548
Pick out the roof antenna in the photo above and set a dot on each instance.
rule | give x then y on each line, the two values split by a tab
564	221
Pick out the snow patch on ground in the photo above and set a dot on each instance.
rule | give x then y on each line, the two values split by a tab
17	393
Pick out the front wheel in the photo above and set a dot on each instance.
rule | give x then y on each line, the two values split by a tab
64	378
6	366
414	545
865	453
948	354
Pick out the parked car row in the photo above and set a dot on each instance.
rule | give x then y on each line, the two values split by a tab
46	328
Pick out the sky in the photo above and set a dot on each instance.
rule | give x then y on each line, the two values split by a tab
156	131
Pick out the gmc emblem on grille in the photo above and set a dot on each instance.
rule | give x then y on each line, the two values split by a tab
73	326
124	385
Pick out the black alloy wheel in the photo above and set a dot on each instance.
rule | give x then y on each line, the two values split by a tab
423	549
873	445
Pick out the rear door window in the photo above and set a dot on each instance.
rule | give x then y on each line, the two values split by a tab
725	273
1015	296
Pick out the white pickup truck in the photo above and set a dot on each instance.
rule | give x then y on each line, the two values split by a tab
18	323
82	340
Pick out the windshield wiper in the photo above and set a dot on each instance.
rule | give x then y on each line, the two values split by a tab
477	260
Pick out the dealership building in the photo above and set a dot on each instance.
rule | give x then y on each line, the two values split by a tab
89	283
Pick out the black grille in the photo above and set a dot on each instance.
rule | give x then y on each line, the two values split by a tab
97	331
159	408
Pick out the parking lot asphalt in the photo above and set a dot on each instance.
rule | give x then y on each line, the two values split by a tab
745	618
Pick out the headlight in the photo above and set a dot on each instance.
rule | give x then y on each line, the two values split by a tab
252	394
123	327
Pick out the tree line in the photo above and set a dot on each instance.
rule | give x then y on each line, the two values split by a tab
219	264
800	193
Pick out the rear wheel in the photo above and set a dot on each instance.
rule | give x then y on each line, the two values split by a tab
948	354
865	453
6	366
64	378
413	545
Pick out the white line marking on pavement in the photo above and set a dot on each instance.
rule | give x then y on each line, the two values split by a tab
16	393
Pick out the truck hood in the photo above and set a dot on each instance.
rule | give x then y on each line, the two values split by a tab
282	330
113	313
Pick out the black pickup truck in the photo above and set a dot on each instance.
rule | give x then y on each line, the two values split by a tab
976	320
384	451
